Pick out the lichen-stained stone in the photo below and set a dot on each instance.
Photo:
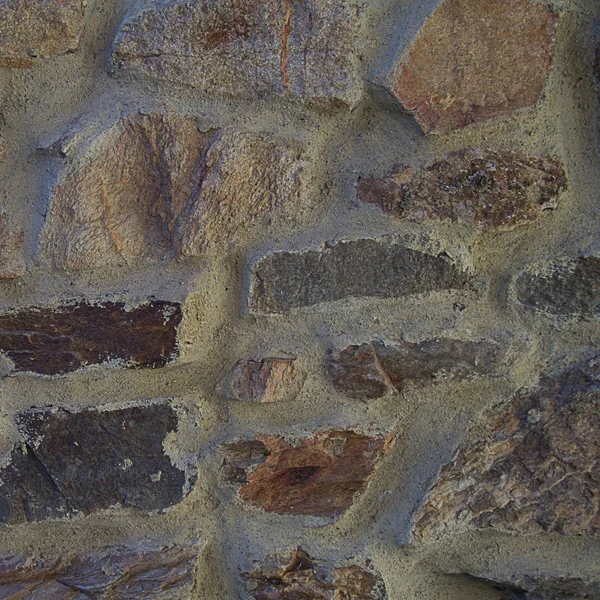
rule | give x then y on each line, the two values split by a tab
569	288
76	462
376	369
264	380
487	189
320	475
380	268
12	260
59	340
476	59
534	471
126	573
156	187
36	29
297	575
244	47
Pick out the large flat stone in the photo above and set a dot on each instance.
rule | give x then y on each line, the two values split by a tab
58	340
244	47
12	260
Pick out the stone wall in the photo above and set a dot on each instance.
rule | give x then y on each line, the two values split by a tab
299	299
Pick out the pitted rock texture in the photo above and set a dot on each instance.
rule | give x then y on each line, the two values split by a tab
535	471
36	29
247	48
264	380
476	59
156	187
300	576
490	190
380	268
76	462
321	475
118	573
12	260
376	369
564	288
59	340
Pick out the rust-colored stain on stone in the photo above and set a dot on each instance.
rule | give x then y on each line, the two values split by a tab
321	475
490	190
476	59
535	471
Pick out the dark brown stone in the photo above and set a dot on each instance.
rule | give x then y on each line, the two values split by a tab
567	288
78	462
490	190
376	369
52	341
12	261
380	268
321	475
534	471
476	59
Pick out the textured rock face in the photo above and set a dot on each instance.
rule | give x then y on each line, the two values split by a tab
567	288
501	53
490	190
319	475
12	262
245	47
52	341
124	573
75	463
536	470
380	268
158	188
34	29
299	576
376	369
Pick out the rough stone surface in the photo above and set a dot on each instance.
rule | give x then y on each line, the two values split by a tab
156	187
490	190
35	29
321	475
535	471
300	576
567	288
381	268
265	380
376	369
12	261
74	463
473	60
244	47
52	341
117	573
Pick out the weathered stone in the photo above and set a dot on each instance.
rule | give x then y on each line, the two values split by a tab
34	29
534	471
244	47
76	462
123	573
490	190
52	341
476	59
564	288
265	380
155	187
381	268
376	369
321	475
300	576
12	261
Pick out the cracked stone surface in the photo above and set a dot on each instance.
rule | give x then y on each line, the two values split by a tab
59	340
321	475
31	30
244	47
76	462
490	190
501	55
12	260
376	369
155	187
534	471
